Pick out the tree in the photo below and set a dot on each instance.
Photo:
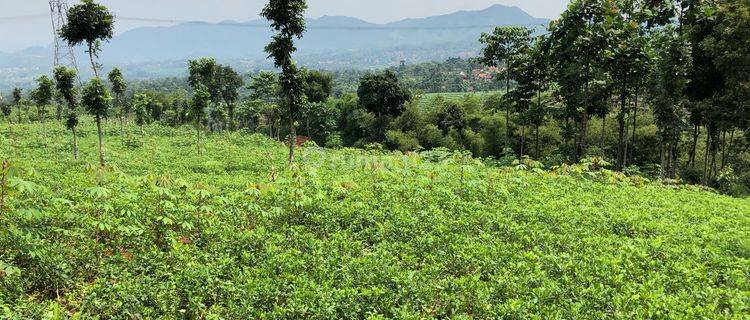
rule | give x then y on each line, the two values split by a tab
577	44
318	87
118	89
729	46
89	23
505	46
264	91
222	84
201	102
383	95
17	99
287	18
229	83
668	82
42	96
140	106
626	61
65	84
6	110
532	77
205	71
96	100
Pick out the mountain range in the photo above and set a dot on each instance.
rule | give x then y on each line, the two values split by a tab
331	42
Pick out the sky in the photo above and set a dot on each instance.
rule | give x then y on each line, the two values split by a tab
25	23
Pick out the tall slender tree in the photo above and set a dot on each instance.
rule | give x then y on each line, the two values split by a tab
97	101
198	107
89	23
668	82
5	109
118	90
505	47
140	106
287	18
229	83
577	51
17	101
65	83
42	96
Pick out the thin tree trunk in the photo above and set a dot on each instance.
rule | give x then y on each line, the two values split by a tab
523	138
101	140
621	134
635	122
729	149
536	138
713	163
122	128
507	107
292	140
198	138
723	148
91	58
601	136
44	128
694	147
675	159
705	159
143	135
75	143
662	161
584	135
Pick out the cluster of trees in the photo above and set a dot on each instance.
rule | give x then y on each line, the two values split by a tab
684	61
666	79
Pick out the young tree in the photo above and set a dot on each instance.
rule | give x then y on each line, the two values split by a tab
669	80
90	23
96	100
264	92
578	41
229	83
141	104
287	18
505	46
531	76
42	96
201	102
6	110
626	61
204	71
118	89
65	83
17	99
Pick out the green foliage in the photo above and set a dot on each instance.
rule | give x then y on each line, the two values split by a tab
354	234
118	82
382	94
95	98
89	23
200	104
43	93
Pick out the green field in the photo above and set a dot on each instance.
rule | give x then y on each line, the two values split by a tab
236	233
427	99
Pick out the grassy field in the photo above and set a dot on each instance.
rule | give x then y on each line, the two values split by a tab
427	99
236	233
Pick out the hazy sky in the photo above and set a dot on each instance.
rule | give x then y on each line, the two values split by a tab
29	25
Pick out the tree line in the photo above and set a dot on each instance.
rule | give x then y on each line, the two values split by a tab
669	82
